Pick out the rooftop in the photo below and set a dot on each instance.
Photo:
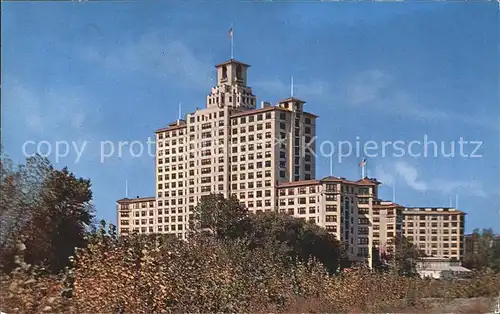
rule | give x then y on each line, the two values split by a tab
362	182
179	124
232	61
134	200
292	99
432	210
298	183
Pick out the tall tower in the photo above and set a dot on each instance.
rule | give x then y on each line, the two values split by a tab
297	141
231	90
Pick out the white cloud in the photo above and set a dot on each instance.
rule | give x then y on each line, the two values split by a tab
373	88
366	87
384	176
158	54
50	112
411	176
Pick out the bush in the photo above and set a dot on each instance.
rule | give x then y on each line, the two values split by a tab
139	274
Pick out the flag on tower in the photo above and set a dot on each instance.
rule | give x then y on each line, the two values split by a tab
230	32
363	163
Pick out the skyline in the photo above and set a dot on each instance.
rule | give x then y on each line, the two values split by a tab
121	84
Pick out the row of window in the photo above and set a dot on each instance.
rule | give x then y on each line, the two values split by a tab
160	211
251	128
251	194
433	224
152	221
250	118
171	133
430	217
209	116
258	203
426	239
137	205
433	231
301	200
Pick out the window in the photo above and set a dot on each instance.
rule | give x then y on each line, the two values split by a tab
331	218
331	208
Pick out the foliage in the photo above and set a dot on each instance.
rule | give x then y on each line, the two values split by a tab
50	208
219	216
292	238
404	259
151	274
485	251
246	263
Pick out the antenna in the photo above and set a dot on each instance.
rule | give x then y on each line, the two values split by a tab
180	105
291	86
331	164
394	193
126	188
456	201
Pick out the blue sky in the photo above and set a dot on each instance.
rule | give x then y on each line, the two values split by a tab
91	72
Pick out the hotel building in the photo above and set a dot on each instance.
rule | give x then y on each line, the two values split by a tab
387	225
265	157
438	232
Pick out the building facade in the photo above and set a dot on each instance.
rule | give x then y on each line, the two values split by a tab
344	208
438	232
233	148
473	243
265	157
387	225
136	214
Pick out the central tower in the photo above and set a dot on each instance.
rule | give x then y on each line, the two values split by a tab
231	90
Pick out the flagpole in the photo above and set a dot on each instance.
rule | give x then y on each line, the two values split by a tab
126	188
232	42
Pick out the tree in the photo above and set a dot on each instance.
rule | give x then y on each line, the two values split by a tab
298	239
219	216
403	260
47	207
484	251
291	238
20	189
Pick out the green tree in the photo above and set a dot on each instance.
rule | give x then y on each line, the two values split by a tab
298	239
292	238
219	216
48	207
